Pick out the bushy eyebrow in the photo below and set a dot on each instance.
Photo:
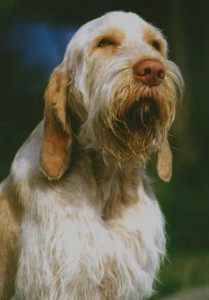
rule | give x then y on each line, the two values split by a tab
151	34
116	35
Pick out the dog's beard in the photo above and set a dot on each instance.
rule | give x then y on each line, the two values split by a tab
137	131
142	115
131	133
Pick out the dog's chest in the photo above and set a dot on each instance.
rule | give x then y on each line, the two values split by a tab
71	250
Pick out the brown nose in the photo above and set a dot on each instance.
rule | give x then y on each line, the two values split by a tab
150	72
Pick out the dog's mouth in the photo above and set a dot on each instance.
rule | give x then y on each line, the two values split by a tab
142	114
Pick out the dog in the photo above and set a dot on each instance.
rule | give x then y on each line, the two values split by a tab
78	218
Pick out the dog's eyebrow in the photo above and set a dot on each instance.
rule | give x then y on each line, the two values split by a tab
151	34
115	34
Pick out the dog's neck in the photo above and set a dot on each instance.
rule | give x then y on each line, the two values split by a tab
117	185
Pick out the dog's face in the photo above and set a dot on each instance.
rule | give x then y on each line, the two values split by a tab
116	79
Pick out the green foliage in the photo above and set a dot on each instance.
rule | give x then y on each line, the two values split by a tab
7	4
182	271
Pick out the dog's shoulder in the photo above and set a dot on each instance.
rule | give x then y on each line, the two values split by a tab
9	213
26	161
9	229
24	164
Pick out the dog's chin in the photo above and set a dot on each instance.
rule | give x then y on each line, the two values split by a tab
135	132
142	114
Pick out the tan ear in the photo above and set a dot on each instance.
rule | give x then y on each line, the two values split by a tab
164	165
56	147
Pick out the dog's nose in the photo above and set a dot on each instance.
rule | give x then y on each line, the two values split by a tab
150	72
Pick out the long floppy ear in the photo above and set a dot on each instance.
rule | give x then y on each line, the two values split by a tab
56	147
164	165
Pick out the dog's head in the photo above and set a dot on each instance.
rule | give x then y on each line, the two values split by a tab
117	82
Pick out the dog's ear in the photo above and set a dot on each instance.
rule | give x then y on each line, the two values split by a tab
164	164
57	139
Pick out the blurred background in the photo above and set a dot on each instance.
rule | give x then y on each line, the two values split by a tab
33	38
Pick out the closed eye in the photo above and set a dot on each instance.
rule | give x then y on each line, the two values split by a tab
104	43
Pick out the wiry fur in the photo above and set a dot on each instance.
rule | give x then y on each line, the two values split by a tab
79	204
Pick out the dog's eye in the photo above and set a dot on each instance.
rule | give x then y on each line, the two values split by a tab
105	43
156	45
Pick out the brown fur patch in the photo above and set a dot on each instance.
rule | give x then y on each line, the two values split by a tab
10	214
117	188
164	165
129	181
56	146
115	35
150	35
